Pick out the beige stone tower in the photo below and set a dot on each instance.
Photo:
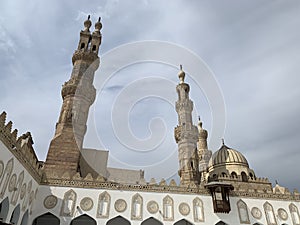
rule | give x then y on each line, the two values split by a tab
78	94
186	135
203	153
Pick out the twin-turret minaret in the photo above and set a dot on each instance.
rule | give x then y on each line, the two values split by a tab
78	94
193	153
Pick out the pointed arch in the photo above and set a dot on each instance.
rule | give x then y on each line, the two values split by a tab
294	213
83	219
4	208
46	219
15	215
16	192
117	221
24	220
269	212
257	224
168	208
103	205
198	210
6	175
243	212
151	221
68	204
137	207
183	222
221	223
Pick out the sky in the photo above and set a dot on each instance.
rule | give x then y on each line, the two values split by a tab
241	61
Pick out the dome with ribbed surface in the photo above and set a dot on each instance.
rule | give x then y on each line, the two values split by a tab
226	155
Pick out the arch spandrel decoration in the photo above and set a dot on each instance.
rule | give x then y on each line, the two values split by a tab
269	212
168	208
6	176
68	204
137	207
295	214
17	191
198	210
243	212
103	205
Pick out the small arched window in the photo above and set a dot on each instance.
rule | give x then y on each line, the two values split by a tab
94	48
233	175
82	46
244	177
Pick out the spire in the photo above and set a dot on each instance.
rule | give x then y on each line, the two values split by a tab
98	26
181	75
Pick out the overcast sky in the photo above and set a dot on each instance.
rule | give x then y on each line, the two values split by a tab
251	48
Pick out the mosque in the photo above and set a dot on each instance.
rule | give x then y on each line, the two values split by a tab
214	189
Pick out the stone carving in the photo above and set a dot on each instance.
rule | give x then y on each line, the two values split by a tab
68	204
31	197
50	202
184	209
269	212
137	207
168	208
295	214
103	205
1	168
27	196
152	207
282	214
120	205
23	191
12	182
198	210
243	212
17	190
6	175
86	204
256	213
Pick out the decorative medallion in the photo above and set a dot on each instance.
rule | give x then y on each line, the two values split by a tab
23	191
86	204
50	201
184	209
31	197
1	168
256	213
282	214
12	182
152	207
120	205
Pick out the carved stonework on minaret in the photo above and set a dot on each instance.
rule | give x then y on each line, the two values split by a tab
78	94
203	153
186	135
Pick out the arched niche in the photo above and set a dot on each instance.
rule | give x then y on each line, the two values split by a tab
151	221
68	204
4	208
294	213
17	190
83	220
269	212
168	208
46	219
183	222
24	220
243	212
137	207
119	220
15	215
198	210
103	205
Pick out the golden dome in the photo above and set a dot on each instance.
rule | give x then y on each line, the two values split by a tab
226	155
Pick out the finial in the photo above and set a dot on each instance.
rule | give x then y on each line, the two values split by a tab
98	26
99	19
181	75
87	24
199	123
223	142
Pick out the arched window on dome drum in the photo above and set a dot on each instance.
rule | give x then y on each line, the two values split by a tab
269	212
244	177
233	175
295	214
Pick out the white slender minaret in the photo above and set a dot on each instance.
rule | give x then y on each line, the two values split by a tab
186	135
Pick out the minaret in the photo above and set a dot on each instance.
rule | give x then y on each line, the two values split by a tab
78	94
186	135
203	153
